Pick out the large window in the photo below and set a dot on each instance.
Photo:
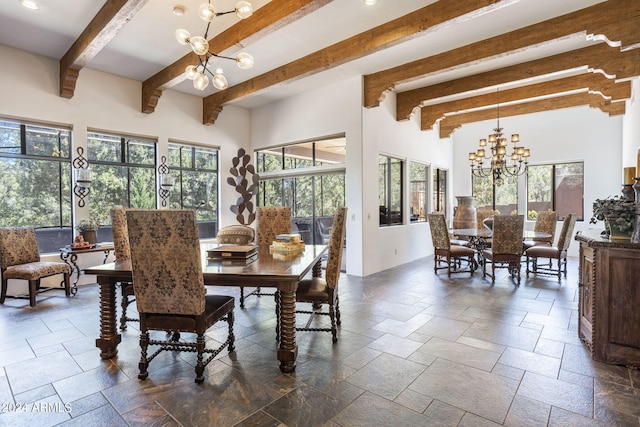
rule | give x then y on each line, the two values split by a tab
419	174
390	190
558	187
310	178
123	170
195	173
35	181
440	184
503	198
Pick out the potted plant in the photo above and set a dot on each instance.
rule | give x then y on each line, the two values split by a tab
88	229
618	214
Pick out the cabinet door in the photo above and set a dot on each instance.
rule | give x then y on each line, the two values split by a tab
585	304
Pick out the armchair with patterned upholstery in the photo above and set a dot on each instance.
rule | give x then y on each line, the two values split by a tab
20	259
447	253
122	253
169	286
545	223
506	250
319	291
550	253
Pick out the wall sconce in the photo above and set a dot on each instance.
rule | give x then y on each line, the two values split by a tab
83	177
166	181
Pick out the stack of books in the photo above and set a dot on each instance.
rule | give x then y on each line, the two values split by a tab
287	243
233	254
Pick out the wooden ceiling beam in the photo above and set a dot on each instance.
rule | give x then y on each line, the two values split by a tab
450	123
358	46
113	15
600	57
619	20
267	19
589	81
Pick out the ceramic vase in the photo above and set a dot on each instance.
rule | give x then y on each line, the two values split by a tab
464	215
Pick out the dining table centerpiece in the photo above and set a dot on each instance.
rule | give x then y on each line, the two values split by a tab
618	214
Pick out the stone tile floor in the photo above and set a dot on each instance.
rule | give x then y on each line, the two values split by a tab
414	349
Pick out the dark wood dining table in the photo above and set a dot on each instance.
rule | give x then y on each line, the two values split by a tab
277	270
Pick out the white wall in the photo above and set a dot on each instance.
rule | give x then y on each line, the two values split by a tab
573	134
29	88
331	110
631	129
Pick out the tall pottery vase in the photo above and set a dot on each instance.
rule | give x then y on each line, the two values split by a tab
464	215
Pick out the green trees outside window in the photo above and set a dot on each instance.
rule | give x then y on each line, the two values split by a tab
390	190
419	175
558	187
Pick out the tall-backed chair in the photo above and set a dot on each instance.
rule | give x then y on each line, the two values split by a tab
272	220
506	249
558	252
319	291
445	252
482	214
545	223
169	286
20	259
122	253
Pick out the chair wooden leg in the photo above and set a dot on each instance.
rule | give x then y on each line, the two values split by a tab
144	363
67	285
124	303
232	337
338	321
276	297
3	292
334	329
33	286
241	297
199	363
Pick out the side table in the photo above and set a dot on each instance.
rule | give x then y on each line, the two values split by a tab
70	256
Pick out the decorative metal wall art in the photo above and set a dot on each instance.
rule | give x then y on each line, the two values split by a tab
245	181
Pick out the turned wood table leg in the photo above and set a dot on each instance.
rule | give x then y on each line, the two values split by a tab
109	336
288	350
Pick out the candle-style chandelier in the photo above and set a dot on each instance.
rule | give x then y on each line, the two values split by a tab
502	166
200	47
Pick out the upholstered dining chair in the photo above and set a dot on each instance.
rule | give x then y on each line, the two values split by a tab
272	220
447	253
557	252
169	286
506	249
20	259
545	223
122	253
319	291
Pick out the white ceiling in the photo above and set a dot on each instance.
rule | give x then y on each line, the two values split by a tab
147	43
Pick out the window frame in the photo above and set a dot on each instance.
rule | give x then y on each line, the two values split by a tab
554	189
425	192
386	189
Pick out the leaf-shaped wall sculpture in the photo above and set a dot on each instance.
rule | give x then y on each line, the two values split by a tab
244	205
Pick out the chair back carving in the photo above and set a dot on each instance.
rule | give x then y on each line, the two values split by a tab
272	220
564	239
120	234
439	232
18	245
336	244
165	261
546	223
507	234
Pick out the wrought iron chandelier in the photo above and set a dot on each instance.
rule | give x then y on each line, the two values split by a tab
501	166
200	47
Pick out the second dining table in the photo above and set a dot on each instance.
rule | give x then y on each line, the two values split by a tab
280	271
478	237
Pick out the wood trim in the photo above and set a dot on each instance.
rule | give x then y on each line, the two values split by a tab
265	20
100	31
589	81
371	41
599	56
617	19
450	123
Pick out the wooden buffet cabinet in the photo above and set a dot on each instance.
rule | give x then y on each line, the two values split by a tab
609	305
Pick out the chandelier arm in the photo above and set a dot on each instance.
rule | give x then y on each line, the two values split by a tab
221	56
